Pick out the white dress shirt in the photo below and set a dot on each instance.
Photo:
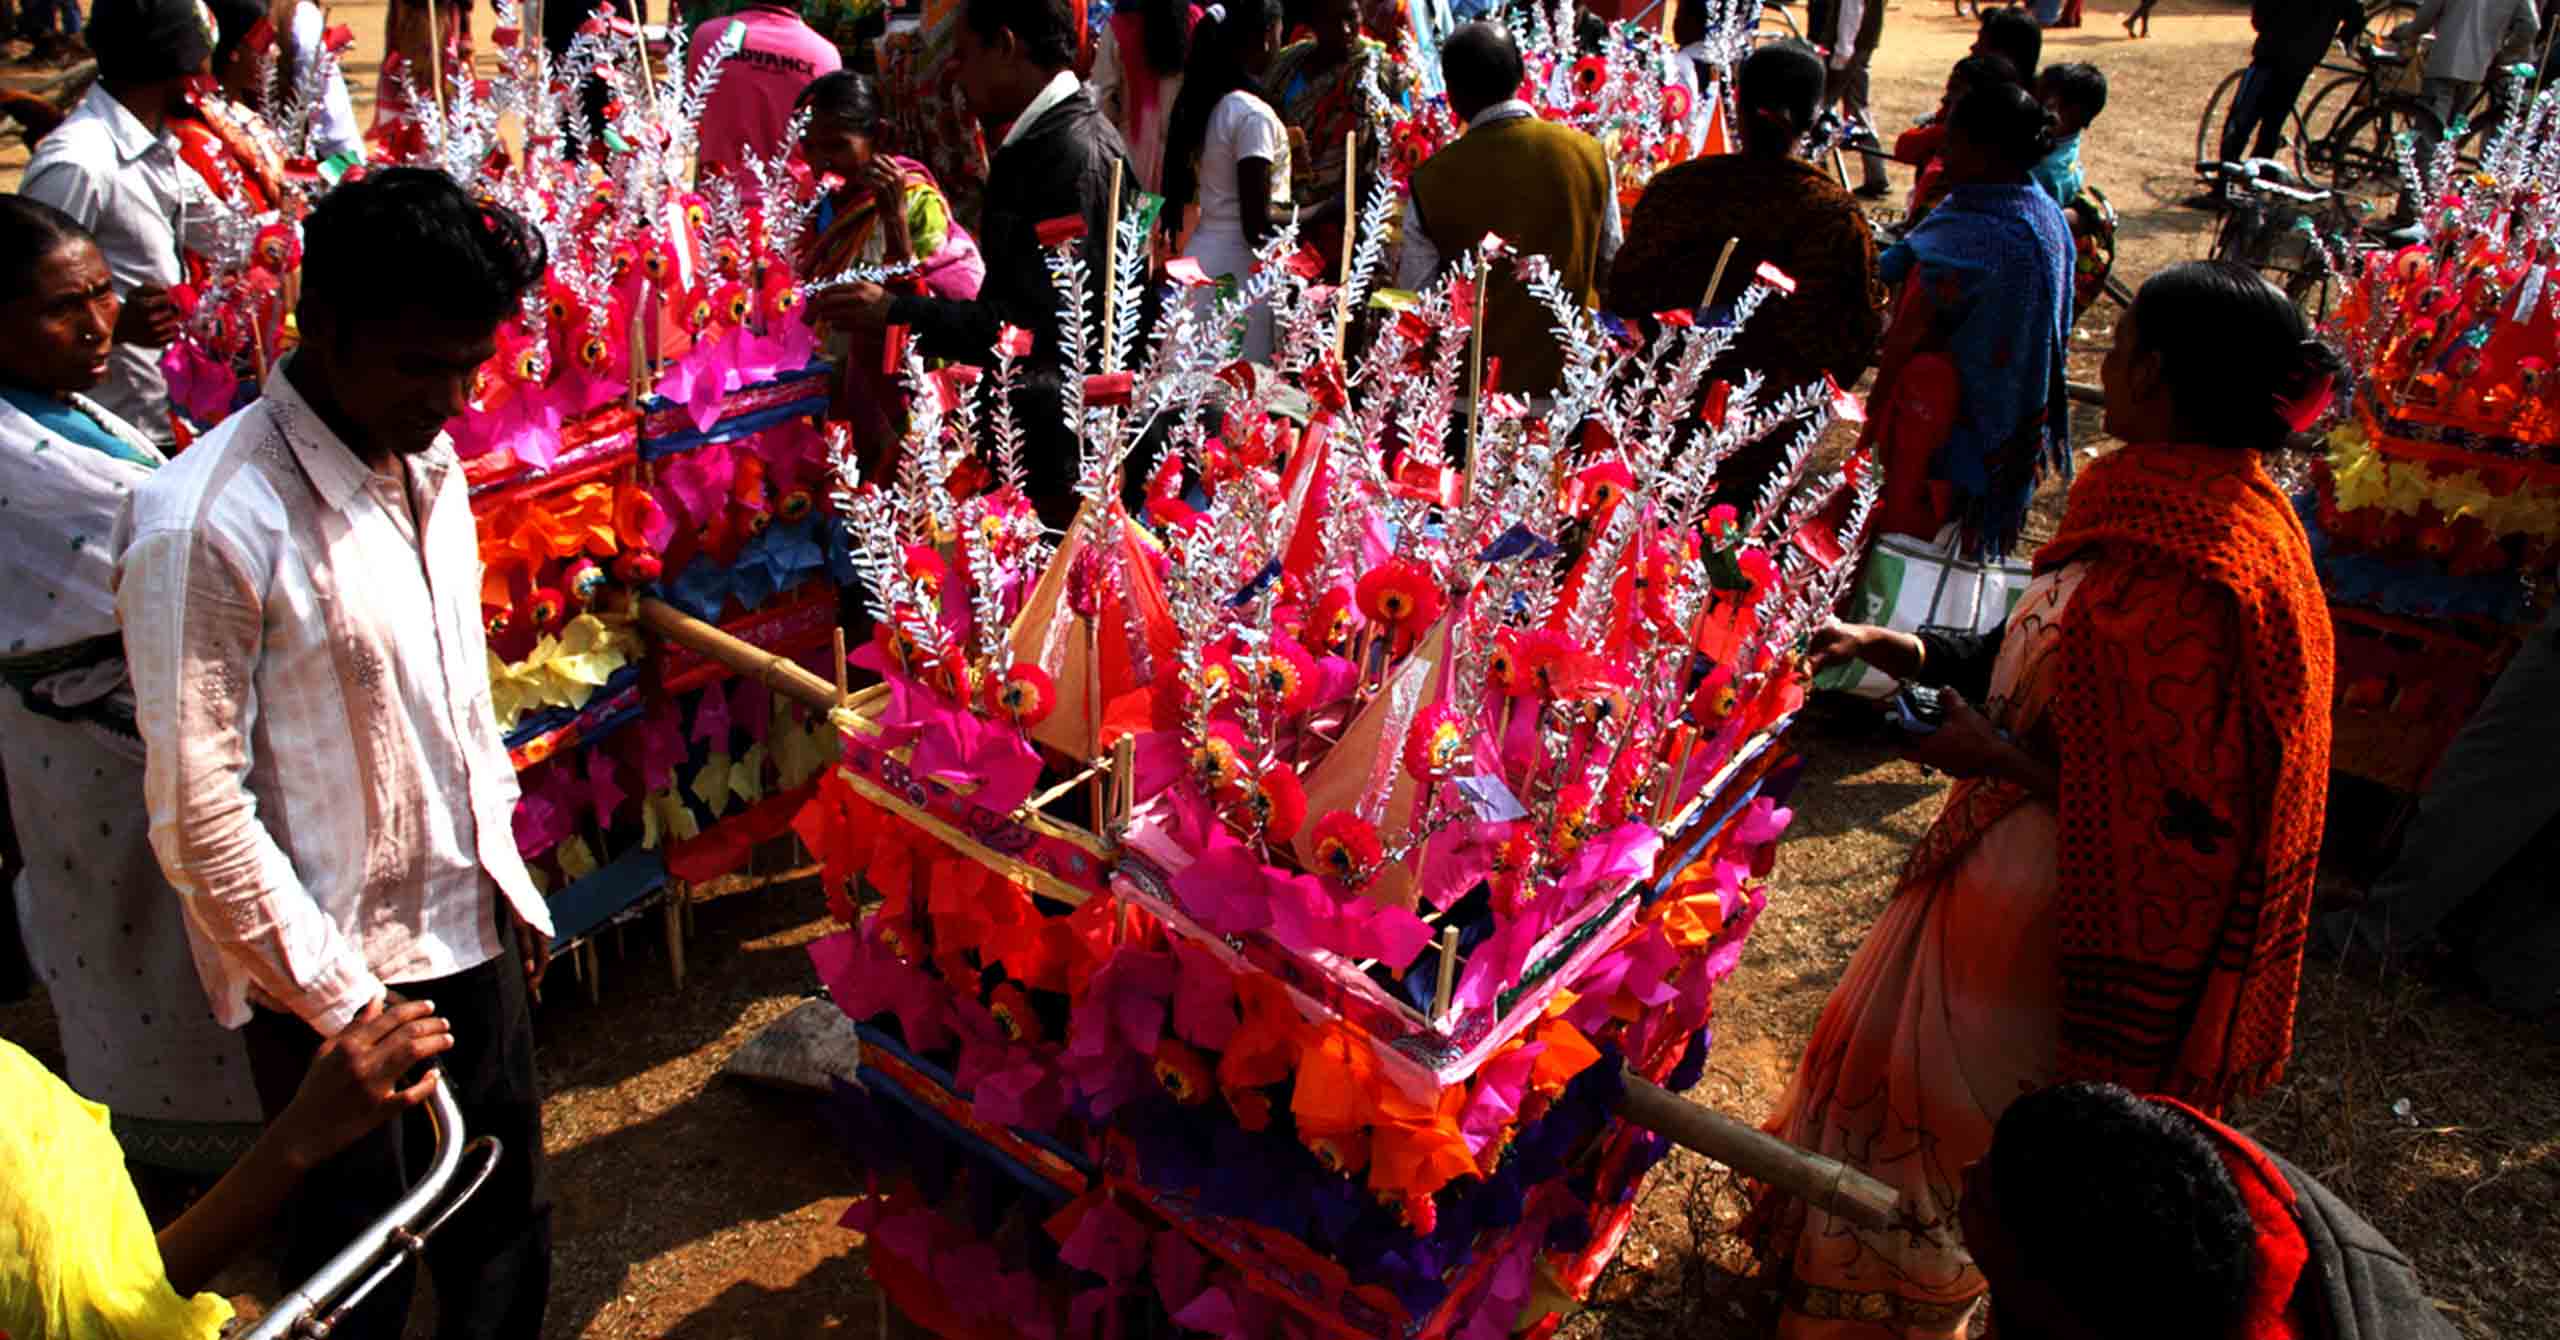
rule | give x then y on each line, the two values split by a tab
328	790
126	185
1061	86
1420	261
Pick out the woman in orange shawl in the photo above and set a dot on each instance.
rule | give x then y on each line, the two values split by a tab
2118	885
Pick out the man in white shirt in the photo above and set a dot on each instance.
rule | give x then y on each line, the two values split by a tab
112	166
329	795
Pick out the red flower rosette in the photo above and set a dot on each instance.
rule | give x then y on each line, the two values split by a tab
1026	695
1435	744
1401	594
1347	846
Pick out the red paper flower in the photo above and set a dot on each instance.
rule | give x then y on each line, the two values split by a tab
1286	675
1060	231
1714	699
1278	802
1401	594
1435	745
1217	763
1677	105
1026	695
926	569
1183	1072
1013	1013
1347	846
1332	621
1577	819
1545	657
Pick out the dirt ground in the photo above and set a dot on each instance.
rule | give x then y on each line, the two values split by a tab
694	1207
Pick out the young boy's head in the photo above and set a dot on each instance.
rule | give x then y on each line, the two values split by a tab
2075	92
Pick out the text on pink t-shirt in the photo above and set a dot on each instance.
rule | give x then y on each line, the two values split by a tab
749	110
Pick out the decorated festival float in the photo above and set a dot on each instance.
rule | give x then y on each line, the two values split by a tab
1285	901
1279	907
2435	516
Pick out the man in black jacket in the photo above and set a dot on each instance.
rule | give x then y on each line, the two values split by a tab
2292	37
1015	61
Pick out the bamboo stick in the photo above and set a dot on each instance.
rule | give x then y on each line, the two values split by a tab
1448	982
776	672
435	50
1111	267
841	686
1822	1182
1350	237
1716	276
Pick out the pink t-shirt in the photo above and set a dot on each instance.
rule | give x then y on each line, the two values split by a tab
749	110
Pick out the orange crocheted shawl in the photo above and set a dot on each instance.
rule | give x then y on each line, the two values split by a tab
2193	727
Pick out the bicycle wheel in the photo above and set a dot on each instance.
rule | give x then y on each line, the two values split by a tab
2360	144
2217	114
2217	110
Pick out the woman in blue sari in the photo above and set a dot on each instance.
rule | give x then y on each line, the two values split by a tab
1972	409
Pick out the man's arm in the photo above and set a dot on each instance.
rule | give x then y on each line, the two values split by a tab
194	625
1420	260
356	1082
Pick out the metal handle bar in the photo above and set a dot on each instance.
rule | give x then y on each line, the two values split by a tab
398	1236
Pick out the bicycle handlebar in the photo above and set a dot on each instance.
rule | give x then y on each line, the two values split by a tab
2249	173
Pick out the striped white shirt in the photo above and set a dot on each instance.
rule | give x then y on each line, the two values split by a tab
328	790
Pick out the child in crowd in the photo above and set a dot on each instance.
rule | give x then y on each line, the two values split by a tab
2073	94
1919	145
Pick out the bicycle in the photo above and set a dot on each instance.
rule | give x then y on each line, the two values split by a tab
2366	113
2273	225
2217	115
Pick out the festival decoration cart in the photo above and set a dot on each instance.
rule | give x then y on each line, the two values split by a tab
653	421
1262	903
2435	514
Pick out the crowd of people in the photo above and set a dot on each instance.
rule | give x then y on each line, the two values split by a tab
252	660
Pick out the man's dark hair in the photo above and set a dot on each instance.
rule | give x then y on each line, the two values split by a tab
408	241
1781	87
844	97
1480	64
2078	85
1985	71
1045	28
30	231
140	42
2099	1187
2014	33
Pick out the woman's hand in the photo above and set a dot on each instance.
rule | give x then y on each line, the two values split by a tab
150	318
355	1081
1966	744
888	187
1896	654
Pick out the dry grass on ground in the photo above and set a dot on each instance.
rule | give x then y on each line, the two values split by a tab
691	1207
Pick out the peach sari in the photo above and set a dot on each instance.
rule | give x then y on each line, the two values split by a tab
1950	1010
